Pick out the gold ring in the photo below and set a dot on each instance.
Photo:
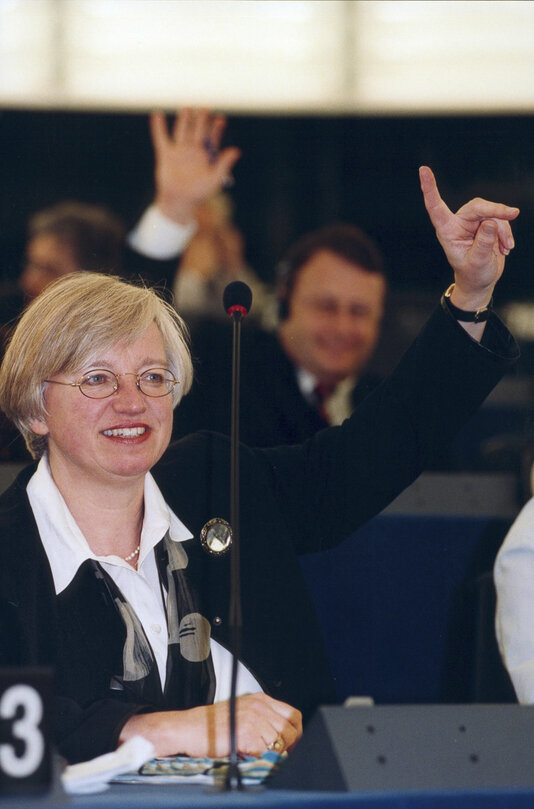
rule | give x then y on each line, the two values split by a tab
277	745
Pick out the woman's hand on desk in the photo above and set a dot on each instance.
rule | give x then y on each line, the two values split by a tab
261	721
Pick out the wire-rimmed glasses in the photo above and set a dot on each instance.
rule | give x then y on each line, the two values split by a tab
101	383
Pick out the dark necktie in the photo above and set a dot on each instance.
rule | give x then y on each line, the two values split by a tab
322	393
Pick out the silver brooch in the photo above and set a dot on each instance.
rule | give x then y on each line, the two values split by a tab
216	536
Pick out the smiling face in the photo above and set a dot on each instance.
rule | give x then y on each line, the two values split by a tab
112	441
335	311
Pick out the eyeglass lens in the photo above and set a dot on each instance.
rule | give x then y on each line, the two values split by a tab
100	383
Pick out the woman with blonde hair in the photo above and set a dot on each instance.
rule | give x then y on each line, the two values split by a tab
106	573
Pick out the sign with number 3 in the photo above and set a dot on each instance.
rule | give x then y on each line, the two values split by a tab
25	756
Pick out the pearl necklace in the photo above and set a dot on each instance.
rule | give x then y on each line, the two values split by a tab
132	554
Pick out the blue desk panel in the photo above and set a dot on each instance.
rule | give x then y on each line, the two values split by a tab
397	606
196	797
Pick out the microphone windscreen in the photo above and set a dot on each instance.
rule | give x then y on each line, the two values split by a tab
237	296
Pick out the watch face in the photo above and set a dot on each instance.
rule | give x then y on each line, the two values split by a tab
216	536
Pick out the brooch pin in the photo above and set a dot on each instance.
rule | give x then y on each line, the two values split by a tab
216	536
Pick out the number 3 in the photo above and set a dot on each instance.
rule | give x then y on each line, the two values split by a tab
25	728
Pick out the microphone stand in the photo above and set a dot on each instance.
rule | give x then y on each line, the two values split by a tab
237	294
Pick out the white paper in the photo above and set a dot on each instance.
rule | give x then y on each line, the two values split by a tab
95	775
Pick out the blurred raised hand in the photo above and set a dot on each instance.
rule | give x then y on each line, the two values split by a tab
189	167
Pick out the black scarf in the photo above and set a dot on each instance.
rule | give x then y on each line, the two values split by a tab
190	677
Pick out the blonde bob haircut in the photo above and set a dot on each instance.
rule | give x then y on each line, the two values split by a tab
68	327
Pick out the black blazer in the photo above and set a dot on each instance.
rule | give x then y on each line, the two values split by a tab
273	410
294	500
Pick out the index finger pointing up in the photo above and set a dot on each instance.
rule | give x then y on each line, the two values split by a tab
438	211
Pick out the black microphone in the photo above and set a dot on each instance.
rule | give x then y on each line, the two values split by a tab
237	300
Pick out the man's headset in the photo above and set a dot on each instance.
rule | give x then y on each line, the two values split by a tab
283	271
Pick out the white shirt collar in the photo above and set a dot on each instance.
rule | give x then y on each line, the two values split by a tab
65	544
339	404
306	382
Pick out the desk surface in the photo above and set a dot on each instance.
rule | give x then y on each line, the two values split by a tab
197	797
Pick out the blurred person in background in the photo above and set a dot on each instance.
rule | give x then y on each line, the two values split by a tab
189	168
214	257
312	370
67	237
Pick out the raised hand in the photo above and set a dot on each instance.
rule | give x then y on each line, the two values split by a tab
476	240
189	168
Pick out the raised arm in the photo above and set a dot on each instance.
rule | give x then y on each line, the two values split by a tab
189	168
476	240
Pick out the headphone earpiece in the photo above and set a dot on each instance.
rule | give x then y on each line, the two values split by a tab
283	309
282	273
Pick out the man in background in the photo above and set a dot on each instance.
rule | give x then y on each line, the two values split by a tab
311	370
